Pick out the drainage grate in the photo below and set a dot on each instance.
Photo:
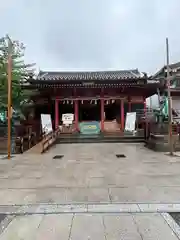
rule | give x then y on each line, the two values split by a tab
120	156
58	156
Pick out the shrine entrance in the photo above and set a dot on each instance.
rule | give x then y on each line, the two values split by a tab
112	111
89	111
89	117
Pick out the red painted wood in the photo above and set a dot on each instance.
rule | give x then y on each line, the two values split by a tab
141	101
56	113
102	115
76	112
102	109
129	105
145	106
122	115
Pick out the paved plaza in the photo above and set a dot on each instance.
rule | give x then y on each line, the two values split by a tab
89	226
91	173
89	193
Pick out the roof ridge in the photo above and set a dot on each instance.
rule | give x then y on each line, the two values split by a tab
94	71
175	63
136	75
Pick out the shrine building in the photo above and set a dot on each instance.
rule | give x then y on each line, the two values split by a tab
99	99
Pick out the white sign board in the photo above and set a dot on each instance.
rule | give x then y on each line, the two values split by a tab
68	118
130	121
46	123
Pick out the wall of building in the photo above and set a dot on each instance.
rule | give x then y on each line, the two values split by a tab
176	103
153	101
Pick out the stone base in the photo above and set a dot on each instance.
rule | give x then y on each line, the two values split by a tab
160	143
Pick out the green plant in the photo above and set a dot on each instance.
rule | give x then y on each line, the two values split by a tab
20	73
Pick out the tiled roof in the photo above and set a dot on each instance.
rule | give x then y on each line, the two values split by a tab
100	75
174	67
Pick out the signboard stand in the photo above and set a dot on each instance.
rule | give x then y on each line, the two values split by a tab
67	119
46	123
130	122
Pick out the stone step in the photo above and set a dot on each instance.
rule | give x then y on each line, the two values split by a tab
98	138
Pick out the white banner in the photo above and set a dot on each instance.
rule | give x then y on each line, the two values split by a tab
46	123
130	121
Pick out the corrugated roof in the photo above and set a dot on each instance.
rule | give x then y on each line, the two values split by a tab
98	75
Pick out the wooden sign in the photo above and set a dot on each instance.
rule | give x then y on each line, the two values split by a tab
67	118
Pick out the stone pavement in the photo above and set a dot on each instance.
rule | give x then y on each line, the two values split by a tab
145	226
90	194
91	173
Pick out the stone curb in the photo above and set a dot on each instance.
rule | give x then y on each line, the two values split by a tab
89	208
148	208
172	224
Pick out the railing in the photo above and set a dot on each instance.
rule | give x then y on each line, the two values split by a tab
144	114
67	129
163	128
18	142
25	138
48	140
112	126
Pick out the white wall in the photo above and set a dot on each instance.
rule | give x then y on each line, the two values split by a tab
153	101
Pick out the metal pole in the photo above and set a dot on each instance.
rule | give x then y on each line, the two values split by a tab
9	71
169	100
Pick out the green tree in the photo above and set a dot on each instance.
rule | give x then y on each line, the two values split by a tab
20	73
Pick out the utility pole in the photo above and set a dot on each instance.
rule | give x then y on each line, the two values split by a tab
9	107
169	100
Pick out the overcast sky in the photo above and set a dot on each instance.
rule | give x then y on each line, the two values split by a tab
94	34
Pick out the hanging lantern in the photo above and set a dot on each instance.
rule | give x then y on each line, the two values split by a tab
113	101
63	102
91	102
107	102
82	102
95	102
71	102
67	102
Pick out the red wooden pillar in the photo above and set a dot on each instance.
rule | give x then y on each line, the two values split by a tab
145	107
145	118
56	113
122	114
129	105
102	114
76	113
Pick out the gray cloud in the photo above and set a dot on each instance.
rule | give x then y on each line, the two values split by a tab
95	34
